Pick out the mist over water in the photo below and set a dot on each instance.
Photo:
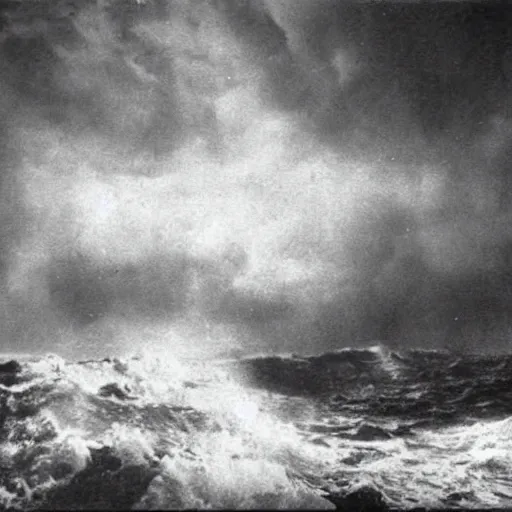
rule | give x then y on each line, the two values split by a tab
205	176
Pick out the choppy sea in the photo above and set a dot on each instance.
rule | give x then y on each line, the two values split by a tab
399	430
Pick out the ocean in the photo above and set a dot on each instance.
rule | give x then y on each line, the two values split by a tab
386	429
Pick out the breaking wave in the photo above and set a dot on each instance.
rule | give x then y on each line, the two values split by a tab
149	431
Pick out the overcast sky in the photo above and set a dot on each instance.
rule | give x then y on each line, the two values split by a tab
260	175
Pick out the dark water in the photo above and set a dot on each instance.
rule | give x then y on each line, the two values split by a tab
415	429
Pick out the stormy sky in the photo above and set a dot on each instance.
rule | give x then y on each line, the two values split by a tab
257	175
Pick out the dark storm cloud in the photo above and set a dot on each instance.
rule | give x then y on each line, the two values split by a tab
437	66
299	175
414	82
